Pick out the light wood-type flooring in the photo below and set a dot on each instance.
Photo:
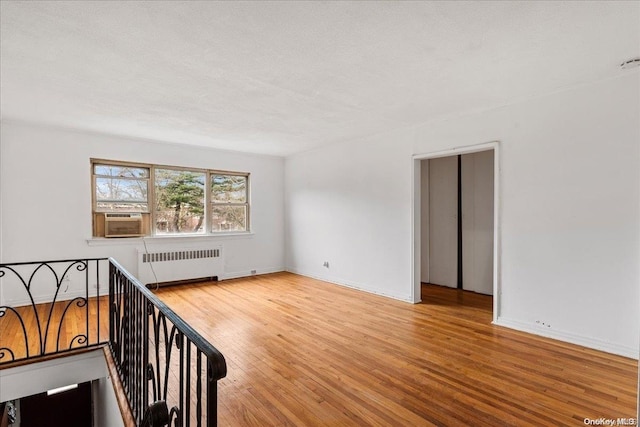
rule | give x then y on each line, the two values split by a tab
302	352
36	330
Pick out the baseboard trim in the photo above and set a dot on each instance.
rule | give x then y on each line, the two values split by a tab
351	285
241	274
569	337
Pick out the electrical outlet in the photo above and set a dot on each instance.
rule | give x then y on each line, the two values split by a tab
326	264
253	272
543	323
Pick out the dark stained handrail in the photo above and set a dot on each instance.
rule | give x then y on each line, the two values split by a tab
153	347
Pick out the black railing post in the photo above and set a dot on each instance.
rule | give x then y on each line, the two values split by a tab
86	292
212	397
98	297
145	354
112	310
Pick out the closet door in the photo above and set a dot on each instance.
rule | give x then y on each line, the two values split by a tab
443	221
477	222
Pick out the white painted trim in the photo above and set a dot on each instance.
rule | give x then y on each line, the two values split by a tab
415	227
416	230
349	284
103	241
592	343
466	149
497	232
260	271
37	377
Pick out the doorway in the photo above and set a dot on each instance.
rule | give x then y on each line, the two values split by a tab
456	220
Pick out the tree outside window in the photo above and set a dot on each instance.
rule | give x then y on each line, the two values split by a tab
179	201
229	202
121	188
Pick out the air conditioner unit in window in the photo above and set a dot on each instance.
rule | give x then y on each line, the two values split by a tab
123	225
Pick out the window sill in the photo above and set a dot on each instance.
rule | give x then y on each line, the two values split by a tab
117	241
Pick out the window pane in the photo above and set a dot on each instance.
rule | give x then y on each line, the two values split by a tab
229	218
121	171
121	190
179	201
228	189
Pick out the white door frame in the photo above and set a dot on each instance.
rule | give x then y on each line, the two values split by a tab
417	233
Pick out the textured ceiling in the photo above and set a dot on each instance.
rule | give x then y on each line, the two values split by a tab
284	77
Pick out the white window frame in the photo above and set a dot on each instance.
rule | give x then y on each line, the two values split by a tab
246	204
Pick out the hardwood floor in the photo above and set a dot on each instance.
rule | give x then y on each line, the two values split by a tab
51	328
302	352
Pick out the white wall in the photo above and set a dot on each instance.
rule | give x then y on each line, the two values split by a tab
45	184
570	235
105	404
348	205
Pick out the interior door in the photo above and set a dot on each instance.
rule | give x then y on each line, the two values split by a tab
443	221
477	222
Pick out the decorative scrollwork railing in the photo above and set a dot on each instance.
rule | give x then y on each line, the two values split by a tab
168	370
50	307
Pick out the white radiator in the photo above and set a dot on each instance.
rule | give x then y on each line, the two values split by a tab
177	265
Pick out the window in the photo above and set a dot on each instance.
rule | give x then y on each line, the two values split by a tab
121	188
170	200
179	201
229	202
